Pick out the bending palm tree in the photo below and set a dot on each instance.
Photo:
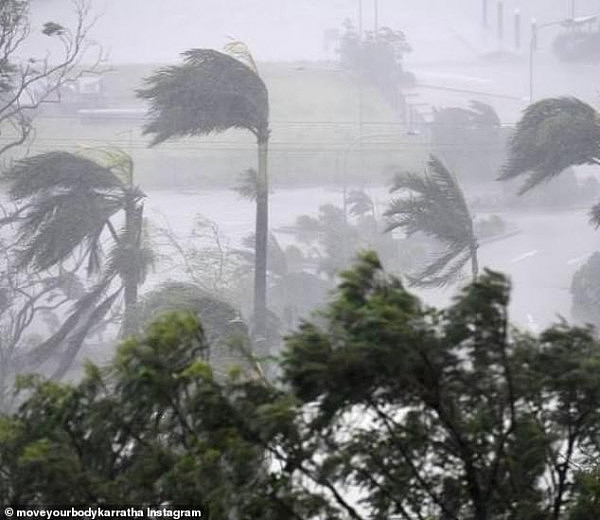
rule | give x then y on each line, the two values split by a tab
66	202
213	92
436	207
552	135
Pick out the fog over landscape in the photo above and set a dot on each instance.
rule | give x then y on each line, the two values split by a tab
331	258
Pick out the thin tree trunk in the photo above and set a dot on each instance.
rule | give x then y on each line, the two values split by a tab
474	262
130	275
261	235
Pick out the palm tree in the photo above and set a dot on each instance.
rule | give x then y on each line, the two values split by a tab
552	135
212	92
436	206
225	332
65	203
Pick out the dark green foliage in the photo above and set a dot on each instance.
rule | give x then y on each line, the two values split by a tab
388	410
436	207
430	414
552	135
210	93
587	489
158	428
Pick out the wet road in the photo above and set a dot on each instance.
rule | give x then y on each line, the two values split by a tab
540	259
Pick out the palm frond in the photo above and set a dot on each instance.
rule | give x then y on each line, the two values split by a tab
240	51
114	158
359	203
595	215
276	258
247	186
56	225
552	135
445	268
209	93
65	201
58	171
434	205
131	256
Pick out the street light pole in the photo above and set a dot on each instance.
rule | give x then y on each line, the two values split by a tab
517	28
500	20
484	12
532	49
533	45
360	20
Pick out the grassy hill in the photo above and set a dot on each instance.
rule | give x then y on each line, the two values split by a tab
325	125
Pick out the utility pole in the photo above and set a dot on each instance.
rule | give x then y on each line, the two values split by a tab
360	20
532	49
517	29
500	26
484	13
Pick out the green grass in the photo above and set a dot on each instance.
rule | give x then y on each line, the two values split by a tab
317	115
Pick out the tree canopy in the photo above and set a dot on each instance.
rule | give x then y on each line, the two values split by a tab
387	409
552	135
209	93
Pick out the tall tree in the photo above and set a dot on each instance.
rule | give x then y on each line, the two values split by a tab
212	92
552	135
444	414
65	203
436	206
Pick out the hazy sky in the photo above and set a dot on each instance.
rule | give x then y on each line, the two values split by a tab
276	30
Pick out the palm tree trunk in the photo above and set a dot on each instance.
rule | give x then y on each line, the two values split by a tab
474	262
130	275
261	235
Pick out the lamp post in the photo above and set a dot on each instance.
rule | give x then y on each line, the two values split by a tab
500	20
484	12
533	45
360	20
532	49
517	29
